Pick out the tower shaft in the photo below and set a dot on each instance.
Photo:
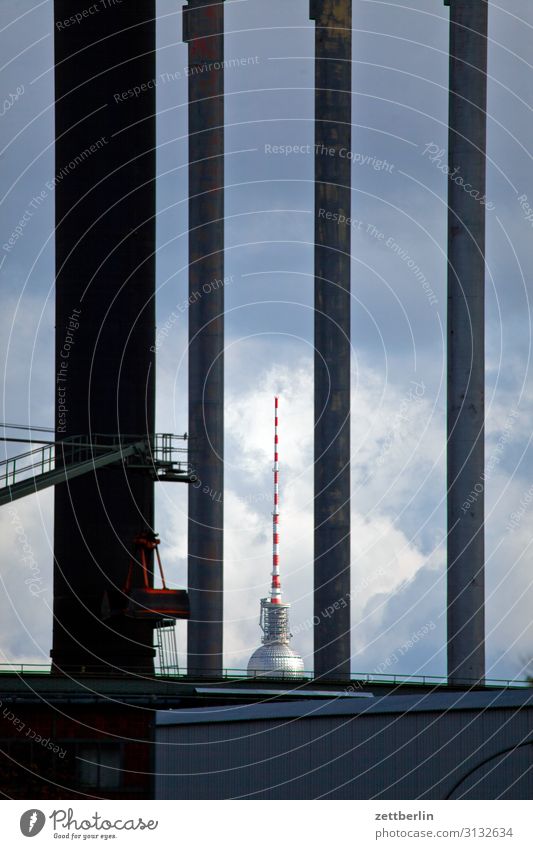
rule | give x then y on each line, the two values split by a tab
105	318
203	28
466	341
333	69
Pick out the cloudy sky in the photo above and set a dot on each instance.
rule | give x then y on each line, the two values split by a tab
398	364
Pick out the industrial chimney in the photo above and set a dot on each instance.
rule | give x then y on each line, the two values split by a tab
105	317
203	30
333	75
466	341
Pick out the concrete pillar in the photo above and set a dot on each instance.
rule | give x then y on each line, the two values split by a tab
466	331
333	73
104	188
203	30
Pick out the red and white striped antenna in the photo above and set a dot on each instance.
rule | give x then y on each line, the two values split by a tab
275	591
275	656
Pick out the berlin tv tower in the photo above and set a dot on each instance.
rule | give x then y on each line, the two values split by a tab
275	657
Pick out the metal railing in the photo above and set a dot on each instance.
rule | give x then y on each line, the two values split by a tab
169	460
38	461
53	462
230	674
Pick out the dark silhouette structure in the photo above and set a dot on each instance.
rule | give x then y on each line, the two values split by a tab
333	76
105	318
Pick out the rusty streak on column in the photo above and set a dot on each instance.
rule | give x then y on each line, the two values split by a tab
203	29
466	341
105	318
333	73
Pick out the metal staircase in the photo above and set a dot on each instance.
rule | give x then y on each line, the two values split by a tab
56	462
167	654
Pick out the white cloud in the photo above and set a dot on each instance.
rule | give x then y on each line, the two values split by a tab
26	580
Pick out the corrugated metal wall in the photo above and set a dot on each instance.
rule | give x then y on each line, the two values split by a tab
389	756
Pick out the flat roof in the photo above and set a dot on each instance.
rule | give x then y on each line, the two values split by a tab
341	706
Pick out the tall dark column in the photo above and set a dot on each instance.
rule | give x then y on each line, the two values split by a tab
105	317
466	340
333	74
203	29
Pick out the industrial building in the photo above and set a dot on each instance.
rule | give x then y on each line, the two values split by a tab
105	721
446	745
262	738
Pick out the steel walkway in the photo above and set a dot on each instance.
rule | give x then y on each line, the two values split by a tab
57	462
